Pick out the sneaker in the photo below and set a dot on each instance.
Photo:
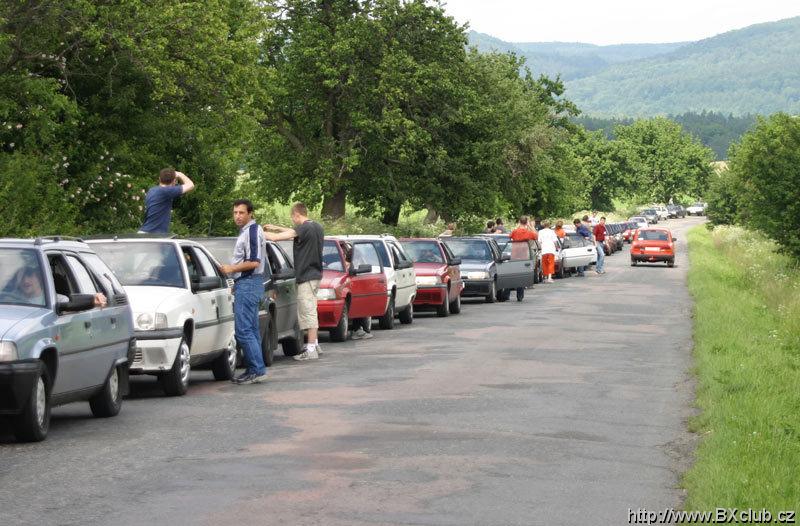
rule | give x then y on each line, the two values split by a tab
239	378
361	334
250	378
550	280
309	354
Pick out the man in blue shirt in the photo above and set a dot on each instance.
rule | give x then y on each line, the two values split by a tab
158	200
584	232
247	270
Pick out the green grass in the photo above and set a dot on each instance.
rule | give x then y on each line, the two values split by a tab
747	355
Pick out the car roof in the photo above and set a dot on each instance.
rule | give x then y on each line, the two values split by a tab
367	237
42	242
419	239
172	240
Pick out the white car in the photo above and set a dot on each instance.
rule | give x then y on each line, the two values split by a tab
641	221
182	308
663	213
697	209
385	253
577	251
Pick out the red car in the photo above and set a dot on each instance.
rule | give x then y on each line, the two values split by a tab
347	294
651	245
438	271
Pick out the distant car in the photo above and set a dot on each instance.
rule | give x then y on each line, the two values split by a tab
349	294
277	314
56	346
676	211
401	281
641	221
663	213
488	271
576	251
630	229
697	209
653	245
651	215
439	282
182	307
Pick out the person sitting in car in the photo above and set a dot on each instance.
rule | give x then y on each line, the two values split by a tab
30	287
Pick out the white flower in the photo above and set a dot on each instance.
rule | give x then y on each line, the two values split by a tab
19	126
11	145
65	165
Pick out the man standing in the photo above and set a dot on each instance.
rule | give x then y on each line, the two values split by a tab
158	200
523	233
308	239
449	231
247	270
586	234
599	238
499	227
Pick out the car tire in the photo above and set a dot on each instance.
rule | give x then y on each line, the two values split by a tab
503	295
224	365
492	297
293	345
386	322
268	343
108	401
406	315
176	381
455	305
341	331
443	310
33	423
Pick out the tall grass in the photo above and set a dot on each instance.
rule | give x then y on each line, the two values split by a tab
747	352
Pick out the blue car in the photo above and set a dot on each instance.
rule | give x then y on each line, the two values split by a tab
66	333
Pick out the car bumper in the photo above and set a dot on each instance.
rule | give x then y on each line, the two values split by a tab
652	257
329	312
477	287
155	351
431	295
16	384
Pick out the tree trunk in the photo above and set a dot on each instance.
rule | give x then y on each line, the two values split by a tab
391	215
432	216
333	206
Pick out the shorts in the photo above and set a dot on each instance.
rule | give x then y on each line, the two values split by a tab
307	304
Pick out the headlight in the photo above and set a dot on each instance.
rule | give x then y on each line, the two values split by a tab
423	281
478	275
326	294
147	322
8	352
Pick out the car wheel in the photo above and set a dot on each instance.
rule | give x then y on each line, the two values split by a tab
293	345
407	315
108	401
33	423
224	365
503	295
443	310
455	305
268	343
176	381
492	297
386	322
339	333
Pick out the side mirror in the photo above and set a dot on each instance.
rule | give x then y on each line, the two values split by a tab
284	274
505	257
361	269
76	303
206	283
674	238
455	261
403	265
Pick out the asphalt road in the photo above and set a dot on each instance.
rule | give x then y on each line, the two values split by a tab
567	408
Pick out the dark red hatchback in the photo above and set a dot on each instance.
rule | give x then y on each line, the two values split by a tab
438	271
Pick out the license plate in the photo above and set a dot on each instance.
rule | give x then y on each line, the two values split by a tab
652	249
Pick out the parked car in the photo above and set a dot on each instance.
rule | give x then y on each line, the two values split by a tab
651	215
676	211
577	252
615	231
401	279
653	245
439	283
697	209
277	313
349	294
663	213
488	271
630	229
182	307
56	345
504	242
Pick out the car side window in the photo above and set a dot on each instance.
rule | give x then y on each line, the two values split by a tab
365	254
383	253
85	282
520	251
191	264
65	284
447	252
397	256
107	278
206	267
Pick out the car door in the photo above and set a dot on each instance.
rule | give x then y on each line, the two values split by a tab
405	275
518	270
370	288
578	252
80	359
222	296
206	313
284	286
453	271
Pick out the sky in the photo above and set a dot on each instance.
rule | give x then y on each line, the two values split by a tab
605	22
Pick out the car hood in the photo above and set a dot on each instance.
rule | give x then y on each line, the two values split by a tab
12	315
331	279
430	269
149	298
472	265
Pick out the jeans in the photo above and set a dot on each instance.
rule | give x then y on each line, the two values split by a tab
248	292
601	256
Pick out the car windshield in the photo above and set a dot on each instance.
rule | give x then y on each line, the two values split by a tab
331	258
221	249
476	249
143	264
698	204
21	278
649	211
653	235
637	219
423	251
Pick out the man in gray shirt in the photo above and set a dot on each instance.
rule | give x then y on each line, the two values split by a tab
308	238
247	270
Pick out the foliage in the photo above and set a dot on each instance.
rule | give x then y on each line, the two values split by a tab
723	198
748	369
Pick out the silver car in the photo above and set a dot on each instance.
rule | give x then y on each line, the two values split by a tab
56	345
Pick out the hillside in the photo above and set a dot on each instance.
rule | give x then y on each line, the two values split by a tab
751	70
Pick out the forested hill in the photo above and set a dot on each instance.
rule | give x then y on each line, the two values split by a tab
751	70
755	70
570	60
